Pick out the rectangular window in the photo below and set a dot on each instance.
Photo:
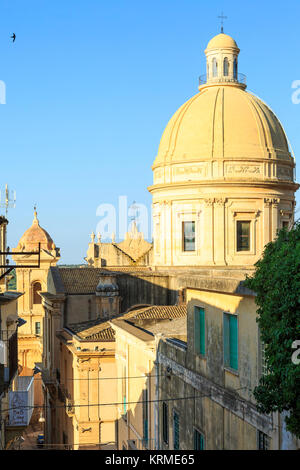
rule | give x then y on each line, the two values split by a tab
243	235
188	231
37	328
165	422
199	330
145	416
124	396
263	442
198	440
175	430
230	341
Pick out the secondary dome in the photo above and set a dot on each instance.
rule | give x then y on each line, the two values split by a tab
222	40
35	235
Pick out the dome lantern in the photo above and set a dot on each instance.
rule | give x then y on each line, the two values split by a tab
222	62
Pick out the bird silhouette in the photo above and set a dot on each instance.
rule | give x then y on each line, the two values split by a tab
13	37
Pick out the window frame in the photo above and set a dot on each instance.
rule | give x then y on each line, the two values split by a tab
200	346
228	365
183	235
165	422
240	221
202	435
176	413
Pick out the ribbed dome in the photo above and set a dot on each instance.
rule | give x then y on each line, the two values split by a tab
222	122
221	41
35	235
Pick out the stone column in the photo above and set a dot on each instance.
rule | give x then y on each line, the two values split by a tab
219	231
208	233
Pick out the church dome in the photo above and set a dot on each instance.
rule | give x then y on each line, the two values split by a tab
222	122
35	235
221	40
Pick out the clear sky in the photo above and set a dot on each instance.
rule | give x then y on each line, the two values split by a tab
91	85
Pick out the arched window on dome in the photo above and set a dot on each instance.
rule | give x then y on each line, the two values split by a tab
235	69
215	67
36	298
226	67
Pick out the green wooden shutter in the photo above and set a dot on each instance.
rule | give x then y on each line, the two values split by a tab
199	330
196	330
198	440
202	331
233	335
226	340
175	431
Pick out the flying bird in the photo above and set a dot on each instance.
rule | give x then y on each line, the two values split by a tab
13	37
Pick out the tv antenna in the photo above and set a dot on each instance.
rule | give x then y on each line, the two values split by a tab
7	199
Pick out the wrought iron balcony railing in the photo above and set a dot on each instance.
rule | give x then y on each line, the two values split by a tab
241	78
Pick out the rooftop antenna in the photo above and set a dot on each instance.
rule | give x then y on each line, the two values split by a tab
222	17
9	199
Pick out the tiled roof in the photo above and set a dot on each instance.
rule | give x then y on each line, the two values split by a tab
85	280
157	312
93	330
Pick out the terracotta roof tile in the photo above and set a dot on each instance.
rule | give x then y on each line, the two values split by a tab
157	312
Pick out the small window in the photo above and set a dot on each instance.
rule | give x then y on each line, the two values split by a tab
189	241
175	430
226	67
37	299
198	440
124	395
235	72
165	422
199	330
37	328
263	441
230	331
243	235
215	67
145	416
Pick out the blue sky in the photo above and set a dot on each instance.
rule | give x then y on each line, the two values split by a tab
91	85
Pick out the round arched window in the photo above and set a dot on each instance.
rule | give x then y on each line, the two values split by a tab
36	298
226	67
215	67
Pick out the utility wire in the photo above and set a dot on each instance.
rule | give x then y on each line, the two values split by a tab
112	403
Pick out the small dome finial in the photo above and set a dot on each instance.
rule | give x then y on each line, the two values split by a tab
35	219
222	17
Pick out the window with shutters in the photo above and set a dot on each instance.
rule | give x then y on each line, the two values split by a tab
230	335
199	330
145	417
198	440
165	423
124	392
263	441
175	430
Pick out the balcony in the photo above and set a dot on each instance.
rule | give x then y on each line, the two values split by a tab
8	358
21	402
241	79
